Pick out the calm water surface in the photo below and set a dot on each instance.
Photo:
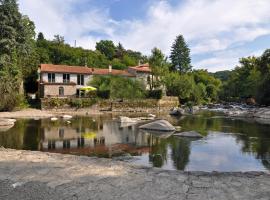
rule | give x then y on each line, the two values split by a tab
228	145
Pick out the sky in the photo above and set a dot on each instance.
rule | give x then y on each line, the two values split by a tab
218	32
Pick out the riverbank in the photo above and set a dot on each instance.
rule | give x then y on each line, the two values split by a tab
37	175
36	113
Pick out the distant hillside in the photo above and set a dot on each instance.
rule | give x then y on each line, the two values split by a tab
222	75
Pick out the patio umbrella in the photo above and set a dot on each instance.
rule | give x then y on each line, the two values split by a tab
88	88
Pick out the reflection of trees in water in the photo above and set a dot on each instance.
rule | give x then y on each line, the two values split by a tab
13	138
158	154
32	135
180	152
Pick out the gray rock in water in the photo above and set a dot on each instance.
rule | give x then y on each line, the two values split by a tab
159	125
190	134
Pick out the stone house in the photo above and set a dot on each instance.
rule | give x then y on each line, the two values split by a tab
66	81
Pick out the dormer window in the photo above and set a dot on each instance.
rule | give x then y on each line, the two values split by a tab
66	78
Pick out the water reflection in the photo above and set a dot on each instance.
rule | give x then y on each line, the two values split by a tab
228	145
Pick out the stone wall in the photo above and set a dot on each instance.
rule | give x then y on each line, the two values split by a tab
142	105
53	90
131	105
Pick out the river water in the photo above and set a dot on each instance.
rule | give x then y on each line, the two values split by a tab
228	144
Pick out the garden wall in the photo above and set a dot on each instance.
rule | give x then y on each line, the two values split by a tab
131	105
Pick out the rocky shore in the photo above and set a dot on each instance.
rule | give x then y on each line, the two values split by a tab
37	175
260	114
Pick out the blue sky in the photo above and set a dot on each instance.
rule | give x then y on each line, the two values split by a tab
218	32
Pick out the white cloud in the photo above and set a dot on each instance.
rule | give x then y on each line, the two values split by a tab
211	27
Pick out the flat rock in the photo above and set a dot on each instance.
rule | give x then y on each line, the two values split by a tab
7	122
159	125
190	134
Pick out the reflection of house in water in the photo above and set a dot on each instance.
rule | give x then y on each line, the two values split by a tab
108	138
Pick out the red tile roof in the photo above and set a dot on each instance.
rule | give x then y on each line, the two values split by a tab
82	70
98	71
142	68
65	69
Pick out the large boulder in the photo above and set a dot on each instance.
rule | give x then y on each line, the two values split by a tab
158	125
190	134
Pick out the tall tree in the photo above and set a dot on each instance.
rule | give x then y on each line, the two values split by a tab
180	57
16	40
40	36
107	48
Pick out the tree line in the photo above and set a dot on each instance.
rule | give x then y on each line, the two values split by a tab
250	79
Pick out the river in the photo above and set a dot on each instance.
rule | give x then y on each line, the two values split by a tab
229	144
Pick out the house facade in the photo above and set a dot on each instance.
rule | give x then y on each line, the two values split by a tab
65	81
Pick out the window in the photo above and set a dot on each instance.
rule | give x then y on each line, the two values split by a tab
61	133
80	142
66	144
61	91
80	79
51	77
51	144
66	78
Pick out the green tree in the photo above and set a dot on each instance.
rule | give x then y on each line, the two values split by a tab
16	46
158	65
180	57
107	48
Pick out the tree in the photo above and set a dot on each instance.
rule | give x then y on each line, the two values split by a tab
16	44
180	57
157	63
58	39
119	51
40	37
107	48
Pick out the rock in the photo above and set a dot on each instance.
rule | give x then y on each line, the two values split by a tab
177	111
177	128
158	125
66	116
190	134
124	119
159	134
152	115
7	122
54	119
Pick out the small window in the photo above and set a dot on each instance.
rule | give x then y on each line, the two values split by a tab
66	78
61	91
80	79
51	77
51	144
61	133
66	144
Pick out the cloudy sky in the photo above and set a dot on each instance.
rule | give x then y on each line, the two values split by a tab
218	32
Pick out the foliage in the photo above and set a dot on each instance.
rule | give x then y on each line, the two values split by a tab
119	87
154	94
16	45
107	48
222	75
180	57
104	94
159	67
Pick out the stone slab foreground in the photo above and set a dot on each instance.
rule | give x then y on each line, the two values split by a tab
37	175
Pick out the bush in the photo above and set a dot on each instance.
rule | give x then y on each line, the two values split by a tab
154	94
82	103
104	94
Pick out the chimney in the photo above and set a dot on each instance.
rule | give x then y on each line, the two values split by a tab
110	68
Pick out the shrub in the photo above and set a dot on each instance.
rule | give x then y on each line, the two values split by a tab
154	94
104	94
82	103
